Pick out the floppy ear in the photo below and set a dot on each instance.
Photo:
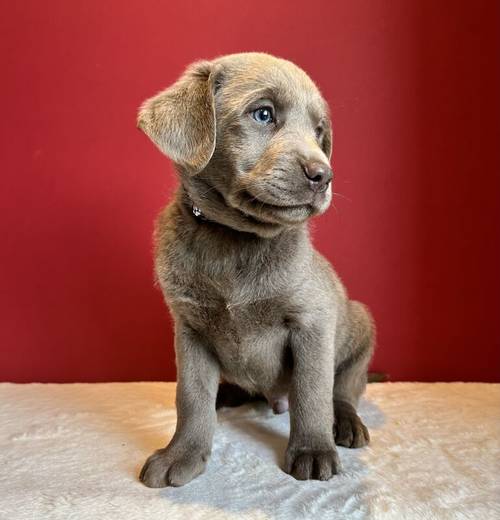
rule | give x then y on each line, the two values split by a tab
181	119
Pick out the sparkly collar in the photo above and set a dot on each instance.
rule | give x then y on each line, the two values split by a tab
197	212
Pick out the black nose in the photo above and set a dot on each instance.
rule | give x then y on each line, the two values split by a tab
319	175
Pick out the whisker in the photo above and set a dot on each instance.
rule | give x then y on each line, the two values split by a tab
340	195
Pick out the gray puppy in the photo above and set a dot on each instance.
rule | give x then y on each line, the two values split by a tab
253	302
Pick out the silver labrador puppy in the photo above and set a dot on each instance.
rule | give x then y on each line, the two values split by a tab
253	302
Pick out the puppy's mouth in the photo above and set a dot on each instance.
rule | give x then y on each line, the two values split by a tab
276	212
266	211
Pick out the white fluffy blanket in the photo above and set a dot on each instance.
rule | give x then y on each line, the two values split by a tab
74	452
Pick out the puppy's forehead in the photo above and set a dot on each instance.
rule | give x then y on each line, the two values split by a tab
250	76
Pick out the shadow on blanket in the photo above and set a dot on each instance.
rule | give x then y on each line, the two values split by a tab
244	474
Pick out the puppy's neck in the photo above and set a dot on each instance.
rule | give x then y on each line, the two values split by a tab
205	204
222	247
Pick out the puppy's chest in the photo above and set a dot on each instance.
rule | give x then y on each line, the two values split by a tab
228	305
235	309
250	341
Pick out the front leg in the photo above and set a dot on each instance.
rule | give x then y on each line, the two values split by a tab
311	452
186	455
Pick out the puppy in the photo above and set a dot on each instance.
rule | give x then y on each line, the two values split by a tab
253	302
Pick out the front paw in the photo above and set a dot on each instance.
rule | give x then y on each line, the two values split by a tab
173	467
349	430
307	463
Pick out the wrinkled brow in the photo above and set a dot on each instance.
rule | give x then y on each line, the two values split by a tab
238	99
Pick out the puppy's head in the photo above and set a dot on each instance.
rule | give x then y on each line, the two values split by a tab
251	137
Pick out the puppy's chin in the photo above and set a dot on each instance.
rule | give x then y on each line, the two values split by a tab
286	213
321	201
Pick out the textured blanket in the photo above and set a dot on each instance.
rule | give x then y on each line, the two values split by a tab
74	451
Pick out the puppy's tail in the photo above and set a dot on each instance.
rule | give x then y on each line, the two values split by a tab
377	377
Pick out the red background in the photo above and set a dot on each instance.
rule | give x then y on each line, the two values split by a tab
413	88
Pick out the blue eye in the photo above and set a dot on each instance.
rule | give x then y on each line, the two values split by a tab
263	115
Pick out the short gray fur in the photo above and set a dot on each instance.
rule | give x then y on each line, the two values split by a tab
254	304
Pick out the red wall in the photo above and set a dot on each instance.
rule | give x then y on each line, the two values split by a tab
413	88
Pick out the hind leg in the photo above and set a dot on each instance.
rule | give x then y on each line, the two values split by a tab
350	378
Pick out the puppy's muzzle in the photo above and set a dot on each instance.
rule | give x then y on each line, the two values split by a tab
319	175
